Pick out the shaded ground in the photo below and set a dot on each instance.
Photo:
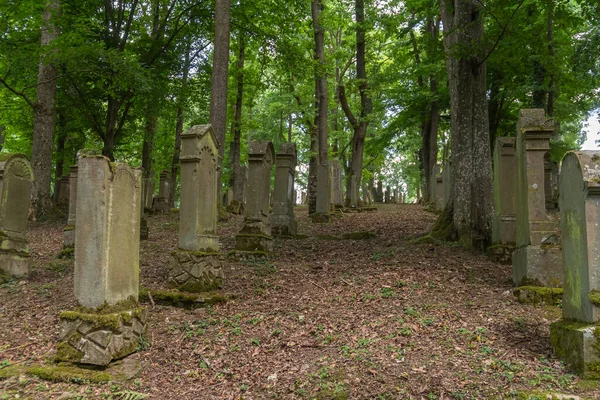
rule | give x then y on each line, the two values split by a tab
378	318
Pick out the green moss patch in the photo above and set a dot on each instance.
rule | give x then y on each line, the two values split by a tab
109	316
359	235
57	373
176	298
594	297
66	253
539	295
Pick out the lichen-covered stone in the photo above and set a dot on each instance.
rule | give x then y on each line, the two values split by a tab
99	338
578	344
196	271
539	295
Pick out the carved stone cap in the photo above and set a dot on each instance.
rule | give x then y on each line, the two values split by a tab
534	120
287	148
589	162
199	131
506	141
6	159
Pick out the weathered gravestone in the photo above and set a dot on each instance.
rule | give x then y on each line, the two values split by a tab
365	194
161	203
504	228
16	178
229	197
69	230
435	171
323	206
354	192
148	187
388	194
439	192
62	198
337	184
378	193
303	198
255	237
283	221
196	265
537	258
107	243
576	338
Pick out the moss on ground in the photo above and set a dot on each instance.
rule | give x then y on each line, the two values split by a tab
359	235
538	295
178	298
57	373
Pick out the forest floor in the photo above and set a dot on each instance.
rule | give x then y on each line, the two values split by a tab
325	318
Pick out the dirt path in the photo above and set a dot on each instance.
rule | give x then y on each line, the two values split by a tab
379	318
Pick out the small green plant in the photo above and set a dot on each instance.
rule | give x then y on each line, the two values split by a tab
255	341
387	292
411	312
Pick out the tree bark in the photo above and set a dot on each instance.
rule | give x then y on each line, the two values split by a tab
236	125
60	154
44	118
470	207
220	76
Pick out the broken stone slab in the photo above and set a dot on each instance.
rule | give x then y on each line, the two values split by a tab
196	271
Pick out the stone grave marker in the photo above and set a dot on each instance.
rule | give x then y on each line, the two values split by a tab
504	228
337	183
283	221
161	203
110	322
576	338
16	179
196	265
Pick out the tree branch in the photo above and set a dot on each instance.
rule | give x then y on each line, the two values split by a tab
20	94
344	103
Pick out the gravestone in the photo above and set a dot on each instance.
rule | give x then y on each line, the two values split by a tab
435	171
295	197
354	192
378	193
504	225
69	230
107	244
63	192
551	182
255	240
576	338
283	221
148	194
323	206
365	194
229	197
439	192
16	178
196	265
161	203
337	183
396	198
303	197
537	258
388	194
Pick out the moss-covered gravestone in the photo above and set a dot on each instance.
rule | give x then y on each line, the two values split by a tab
283	221
504	221
197	264
576	338
255	237
109	323
537	259
161	203
16	178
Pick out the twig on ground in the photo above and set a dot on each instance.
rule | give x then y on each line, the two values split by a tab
151	300
317	285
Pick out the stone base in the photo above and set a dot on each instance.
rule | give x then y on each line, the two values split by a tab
501	253
538	265
249	242
320	218
161	205
283	225
196	272
578	345
538	295
14	263
69	236
144	231
99	338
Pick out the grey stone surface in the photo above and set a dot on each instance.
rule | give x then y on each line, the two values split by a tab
63	191
435	171
439	192
16	178
534	223
69	231
504	226
337	183
161	202
283	221
107	239
577	345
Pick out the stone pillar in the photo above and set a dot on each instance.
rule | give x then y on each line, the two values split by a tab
504	228
396	199
388	191
107	244
365	194
379	192
303	197
537	259
63	191
575	337
196	265
161	203
229	197
16	178
435	171
439	192
295	198
283	221
255	237
148	190
69	230
337	183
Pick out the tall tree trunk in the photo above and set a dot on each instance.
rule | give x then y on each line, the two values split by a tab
360	124
44	117
550	108
149	134
323	189
495	106
220	76
236	125
470	207
60	154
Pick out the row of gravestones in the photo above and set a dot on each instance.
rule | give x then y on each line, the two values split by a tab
107	199
372	194
552	247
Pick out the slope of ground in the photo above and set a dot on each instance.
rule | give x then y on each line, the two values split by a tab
325	318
